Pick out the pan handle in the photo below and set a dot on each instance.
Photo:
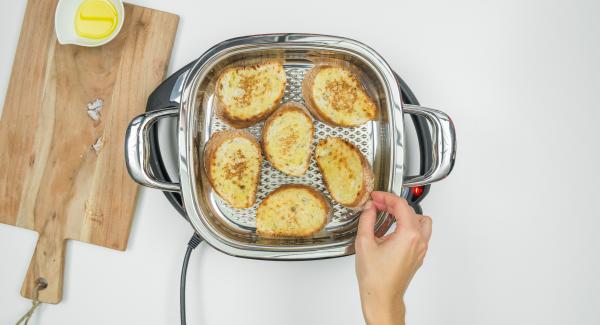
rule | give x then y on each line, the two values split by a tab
443	140
137	149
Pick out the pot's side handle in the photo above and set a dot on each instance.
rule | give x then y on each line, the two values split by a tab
443	139
137	149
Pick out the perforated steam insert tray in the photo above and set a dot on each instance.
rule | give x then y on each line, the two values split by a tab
271	178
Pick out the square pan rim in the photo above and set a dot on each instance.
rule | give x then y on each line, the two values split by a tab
277	41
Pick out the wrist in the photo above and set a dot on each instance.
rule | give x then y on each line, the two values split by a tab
392	314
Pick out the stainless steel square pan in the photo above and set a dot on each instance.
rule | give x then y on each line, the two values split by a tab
382	141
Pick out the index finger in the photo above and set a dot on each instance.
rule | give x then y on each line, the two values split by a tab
366	222
396	206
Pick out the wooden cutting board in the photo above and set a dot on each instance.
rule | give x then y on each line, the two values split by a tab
52	178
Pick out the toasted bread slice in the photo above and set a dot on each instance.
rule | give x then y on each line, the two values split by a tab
292	211
335	96
248	94
287	139
232	161
346	172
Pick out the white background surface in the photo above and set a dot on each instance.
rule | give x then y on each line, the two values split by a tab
516	225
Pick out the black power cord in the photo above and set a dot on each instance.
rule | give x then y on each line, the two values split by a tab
193	243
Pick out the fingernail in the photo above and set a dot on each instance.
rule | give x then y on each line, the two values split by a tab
369	205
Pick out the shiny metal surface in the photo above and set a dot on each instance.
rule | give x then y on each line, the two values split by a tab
382	141
194	131
444	145
137	149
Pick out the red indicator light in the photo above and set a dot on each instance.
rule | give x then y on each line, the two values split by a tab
416	191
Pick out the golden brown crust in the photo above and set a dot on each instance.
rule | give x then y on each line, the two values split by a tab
368	184
210	149
240	123
287	107
309	81
314	193
368	178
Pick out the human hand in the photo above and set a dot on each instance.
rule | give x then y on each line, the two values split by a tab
385	266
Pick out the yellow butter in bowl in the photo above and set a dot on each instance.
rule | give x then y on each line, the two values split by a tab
88	22
96	19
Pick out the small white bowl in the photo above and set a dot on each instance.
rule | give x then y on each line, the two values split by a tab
64	24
